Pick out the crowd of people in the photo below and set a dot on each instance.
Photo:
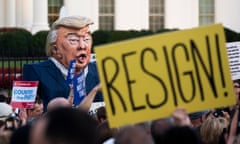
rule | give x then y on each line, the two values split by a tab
57	118
64	124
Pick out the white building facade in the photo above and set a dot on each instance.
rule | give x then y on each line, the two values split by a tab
33	15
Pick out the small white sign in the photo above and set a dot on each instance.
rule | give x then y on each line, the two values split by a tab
233	49
94	107
24	94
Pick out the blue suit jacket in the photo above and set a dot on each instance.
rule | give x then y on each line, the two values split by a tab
52	83
92	80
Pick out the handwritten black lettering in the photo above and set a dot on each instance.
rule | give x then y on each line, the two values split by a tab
161	82
200	73
110	86
130	82
187	73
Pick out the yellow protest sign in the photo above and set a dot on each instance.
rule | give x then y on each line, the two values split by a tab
148	78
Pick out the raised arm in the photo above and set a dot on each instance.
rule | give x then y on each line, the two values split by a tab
87	101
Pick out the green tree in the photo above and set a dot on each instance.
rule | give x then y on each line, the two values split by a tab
15	43
39	42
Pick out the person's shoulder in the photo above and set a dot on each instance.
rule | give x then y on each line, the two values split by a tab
92	70
92	66
39	64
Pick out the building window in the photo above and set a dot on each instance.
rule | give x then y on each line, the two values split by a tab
106	15
54	7
156	15
206	12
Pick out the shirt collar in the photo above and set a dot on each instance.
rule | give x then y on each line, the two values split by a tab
63	70
60	66
86	71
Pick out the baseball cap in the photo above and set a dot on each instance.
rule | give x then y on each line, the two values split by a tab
5	110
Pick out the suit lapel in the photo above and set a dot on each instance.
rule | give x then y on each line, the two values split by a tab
89	77
56	73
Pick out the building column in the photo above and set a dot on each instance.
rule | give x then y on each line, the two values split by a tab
74	8
24	14
27	14
68	5
19	13
10	13
87	8
40	16
2	13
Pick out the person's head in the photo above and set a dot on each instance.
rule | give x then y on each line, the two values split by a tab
181	135
70	38
105	132
36	111
5	136
159	127
9	122
4	95
236	85
64	125
212	129
5	111
21	135
57	103
133	134
101	114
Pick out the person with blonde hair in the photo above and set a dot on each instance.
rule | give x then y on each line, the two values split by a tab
212	129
